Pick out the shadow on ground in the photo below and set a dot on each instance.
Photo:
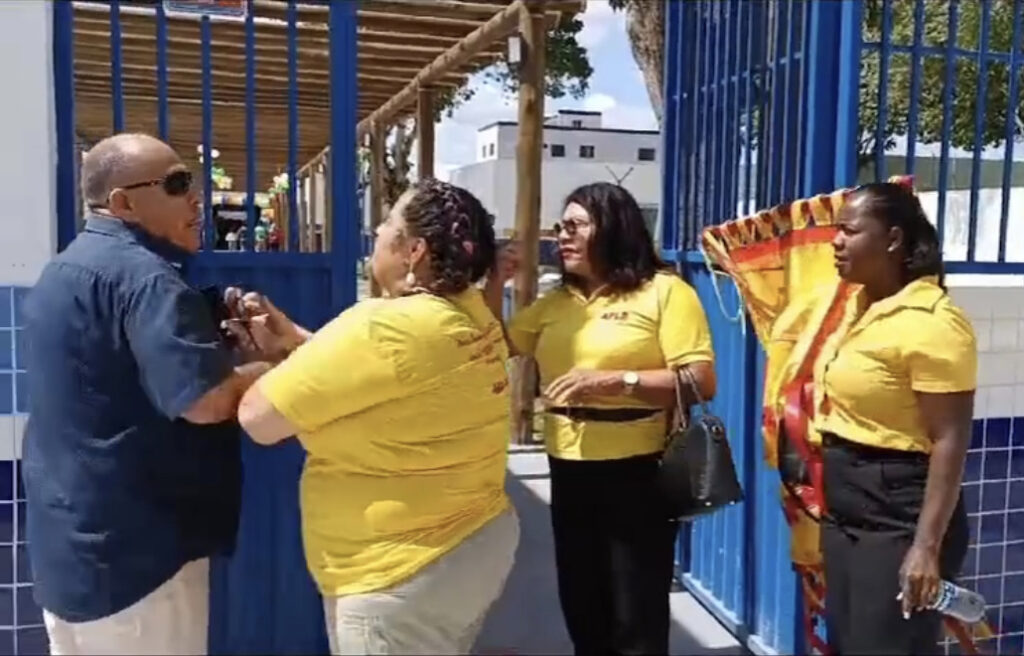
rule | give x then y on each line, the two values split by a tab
527	618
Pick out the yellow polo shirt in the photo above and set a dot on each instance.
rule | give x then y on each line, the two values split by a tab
868	372
402	406
660	325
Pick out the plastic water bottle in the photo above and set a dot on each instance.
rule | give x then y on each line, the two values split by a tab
965	605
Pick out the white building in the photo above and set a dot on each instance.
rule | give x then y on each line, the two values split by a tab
578	150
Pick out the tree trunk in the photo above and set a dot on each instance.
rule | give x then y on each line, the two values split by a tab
645	25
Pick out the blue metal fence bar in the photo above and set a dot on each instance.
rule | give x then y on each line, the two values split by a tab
847	123
786	190
821	61
766	40
250	129
735	116
881	170
802	99
692	67
770	160
161	72
947	119
670	143
293	128
209	230
719	117
1011	124
753	10
116	88
981	91
723	156
915	86
344	97
64	100
704	188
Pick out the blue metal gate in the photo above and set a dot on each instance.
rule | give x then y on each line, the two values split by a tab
774	100
262	598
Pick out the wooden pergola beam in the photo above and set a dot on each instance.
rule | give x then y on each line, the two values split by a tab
499	26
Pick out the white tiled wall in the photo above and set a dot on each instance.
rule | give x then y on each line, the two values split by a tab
997	312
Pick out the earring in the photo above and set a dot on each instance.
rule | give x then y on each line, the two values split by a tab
410	279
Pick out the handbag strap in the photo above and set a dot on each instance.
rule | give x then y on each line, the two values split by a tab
686	373
684	376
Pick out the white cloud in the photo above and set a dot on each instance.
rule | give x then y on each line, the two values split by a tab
598	21
621	115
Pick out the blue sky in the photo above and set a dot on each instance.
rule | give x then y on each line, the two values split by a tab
616	88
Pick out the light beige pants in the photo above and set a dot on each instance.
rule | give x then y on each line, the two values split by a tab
170	620
440	610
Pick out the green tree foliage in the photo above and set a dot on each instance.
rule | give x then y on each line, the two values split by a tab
966	74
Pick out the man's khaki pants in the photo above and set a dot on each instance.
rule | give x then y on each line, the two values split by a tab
171	620
438	611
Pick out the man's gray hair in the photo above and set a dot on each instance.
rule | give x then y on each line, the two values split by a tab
104	163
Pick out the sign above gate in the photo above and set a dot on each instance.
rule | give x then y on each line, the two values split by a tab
224	8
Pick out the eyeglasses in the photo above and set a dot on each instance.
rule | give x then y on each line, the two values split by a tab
570	226
175	183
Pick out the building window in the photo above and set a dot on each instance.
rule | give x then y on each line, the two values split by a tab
483	151
558	150
490	150
577	123
645	154
587	152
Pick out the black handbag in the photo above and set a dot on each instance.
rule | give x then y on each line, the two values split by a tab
696	475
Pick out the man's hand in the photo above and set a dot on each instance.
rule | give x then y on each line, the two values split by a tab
261	328
579	385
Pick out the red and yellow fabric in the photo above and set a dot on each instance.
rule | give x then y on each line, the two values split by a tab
782	263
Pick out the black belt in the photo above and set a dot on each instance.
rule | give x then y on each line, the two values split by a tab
869	452
604	414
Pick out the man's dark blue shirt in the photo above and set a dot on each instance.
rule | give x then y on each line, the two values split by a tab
121	491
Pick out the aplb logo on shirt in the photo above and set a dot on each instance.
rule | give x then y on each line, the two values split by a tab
620	316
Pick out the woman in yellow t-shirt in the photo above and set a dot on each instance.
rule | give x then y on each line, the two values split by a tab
606	343
894	403
402	406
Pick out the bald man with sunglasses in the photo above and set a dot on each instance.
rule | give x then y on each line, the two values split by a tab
131	458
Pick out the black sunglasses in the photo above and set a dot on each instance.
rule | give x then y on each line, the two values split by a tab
175	183
569	225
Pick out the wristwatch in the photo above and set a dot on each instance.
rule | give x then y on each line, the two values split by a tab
630	379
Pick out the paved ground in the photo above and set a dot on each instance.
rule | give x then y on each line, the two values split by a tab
527	619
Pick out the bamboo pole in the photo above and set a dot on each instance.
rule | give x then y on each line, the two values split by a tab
528	194
497	27
425	132
378	136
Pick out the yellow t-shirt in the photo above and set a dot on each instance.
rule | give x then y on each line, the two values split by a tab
660	325
402	406
868	372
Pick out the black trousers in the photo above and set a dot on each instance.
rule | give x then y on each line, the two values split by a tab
614	552
875	497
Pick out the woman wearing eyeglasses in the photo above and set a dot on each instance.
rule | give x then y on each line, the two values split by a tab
606	343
